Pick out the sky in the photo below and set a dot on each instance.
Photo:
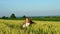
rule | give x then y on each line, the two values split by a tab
30	7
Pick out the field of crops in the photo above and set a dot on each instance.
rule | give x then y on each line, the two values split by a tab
41	27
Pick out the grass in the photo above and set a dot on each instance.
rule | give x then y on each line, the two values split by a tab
41	27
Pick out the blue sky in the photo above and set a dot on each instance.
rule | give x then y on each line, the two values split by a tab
30	7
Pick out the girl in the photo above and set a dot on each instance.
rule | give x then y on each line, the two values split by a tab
27	23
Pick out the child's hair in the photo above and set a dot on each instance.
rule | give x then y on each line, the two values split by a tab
28	19
31	22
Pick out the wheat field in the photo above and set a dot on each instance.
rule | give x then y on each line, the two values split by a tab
41	27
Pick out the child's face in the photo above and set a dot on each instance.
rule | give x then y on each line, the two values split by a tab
27	20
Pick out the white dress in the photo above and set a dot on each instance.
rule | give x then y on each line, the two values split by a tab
26	25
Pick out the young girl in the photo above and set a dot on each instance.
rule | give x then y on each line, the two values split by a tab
27	23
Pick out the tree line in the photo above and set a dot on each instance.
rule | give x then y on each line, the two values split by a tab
11	17
43	18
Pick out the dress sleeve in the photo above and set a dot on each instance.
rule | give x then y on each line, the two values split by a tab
24	25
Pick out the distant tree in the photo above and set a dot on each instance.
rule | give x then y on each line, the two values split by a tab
24	16
4	17
12	16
